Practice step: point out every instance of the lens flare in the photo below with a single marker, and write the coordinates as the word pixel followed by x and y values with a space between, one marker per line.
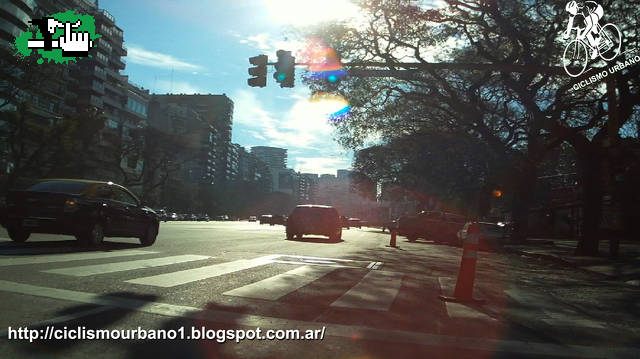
pixel 323 61
pixel 334 106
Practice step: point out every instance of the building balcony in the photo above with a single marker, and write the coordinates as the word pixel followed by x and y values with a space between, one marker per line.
pixel 117 63
pixel 115 88
pixel 113 101
pixel 108 16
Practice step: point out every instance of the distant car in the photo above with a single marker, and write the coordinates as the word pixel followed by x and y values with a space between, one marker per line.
pixel 492 236
pixel 89 210
pixel 172 217
pixel 221 218
pixel 265 219
pixel 203 217
pixel 355 222
pixel 433 225
pixel 314 219
pixel 192 217
pixel 252 218
pixel 272 219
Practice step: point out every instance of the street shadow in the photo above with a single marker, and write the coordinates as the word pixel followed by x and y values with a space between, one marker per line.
pixel 325 240
pixel 62 246
pixel 212 321
pixel 96 319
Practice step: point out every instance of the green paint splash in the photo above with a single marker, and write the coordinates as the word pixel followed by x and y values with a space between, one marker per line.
pixel 55 55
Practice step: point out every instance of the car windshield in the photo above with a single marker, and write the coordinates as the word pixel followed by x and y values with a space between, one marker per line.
pixel 70 187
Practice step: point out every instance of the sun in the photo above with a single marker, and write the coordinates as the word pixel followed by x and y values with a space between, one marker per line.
pixel 308 12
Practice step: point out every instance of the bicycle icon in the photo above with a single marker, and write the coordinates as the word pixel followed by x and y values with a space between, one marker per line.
pixel 576 53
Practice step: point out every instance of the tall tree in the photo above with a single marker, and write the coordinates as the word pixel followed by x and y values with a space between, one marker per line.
pixel 522 114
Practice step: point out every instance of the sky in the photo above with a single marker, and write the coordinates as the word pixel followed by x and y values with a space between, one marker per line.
pixel 197 46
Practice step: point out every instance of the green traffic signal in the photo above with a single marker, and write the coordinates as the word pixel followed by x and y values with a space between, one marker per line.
pixel 285 69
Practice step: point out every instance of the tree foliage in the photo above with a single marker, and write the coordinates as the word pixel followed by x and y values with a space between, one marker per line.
pixel 519 115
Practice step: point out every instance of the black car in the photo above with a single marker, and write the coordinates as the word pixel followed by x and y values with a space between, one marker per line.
pixel 314 219
pixel 272 219
pixel 89 210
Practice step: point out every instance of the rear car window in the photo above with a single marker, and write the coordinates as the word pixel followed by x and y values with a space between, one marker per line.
pixel 316 211
pixel 70 187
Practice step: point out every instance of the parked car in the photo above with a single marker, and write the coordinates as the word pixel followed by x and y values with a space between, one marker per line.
pixel 492 235
pixel 434 225
pixel 314 219
pixel 89 210
pixel 203 217
pixel 173 216
pixel 253 218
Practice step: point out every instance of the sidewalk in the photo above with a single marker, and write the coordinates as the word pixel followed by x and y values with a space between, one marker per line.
pixel 625 268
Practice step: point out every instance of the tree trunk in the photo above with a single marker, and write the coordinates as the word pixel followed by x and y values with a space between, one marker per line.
pixel 522 196
pixel 591 178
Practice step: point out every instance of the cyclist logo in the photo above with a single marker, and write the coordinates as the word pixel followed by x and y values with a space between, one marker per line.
pixel 601 41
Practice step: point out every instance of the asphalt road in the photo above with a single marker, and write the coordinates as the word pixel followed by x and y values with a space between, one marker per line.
pixel 366 299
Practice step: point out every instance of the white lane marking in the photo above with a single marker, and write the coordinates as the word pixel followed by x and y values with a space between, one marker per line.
pixel 191 275
pixel 83 271
pixel 461 311
pixel 375 291
pixel 314 258
pixel 335 330
pixel 51 258
pixel 313 264
pixel 280 285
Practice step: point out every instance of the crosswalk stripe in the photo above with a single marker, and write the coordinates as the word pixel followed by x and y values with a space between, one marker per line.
pixel 280 285
pixel 375 291
pixel 500 346
pixel 191 275
pixel 84 271
pixel 52 258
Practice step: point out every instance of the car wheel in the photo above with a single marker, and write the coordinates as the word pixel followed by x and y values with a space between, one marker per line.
pixel 150 235
pixel 412 238
pixel 95 235
pixel 336 236
pixel 299 236
pixel 18 235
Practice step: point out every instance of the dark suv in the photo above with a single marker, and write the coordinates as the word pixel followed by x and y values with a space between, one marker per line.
pixel 314 219
pixel 89 210
pixel 433 225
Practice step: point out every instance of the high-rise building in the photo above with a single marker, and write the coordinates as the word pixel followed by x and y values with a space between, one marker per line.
pixel 15 15
pixel 216 111
pixel 194 136
pixel 90 82
pixel 275 158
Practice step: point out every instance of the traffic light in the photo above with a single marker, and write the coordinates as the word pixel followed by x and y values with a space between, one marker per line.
pixel 259 71
pixel 285 68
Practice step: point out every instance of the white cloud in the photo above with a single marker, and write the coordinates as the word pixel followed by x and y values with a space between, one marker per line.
pixel 140 56
pixel 166 86
pixel 269 46
pixel 303 126
pixel 303 130
pixel 320 165
pixel 259 41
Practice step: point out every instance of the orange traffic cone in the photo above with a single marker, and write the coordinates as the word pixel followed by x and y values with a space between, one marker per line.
pixel 467 273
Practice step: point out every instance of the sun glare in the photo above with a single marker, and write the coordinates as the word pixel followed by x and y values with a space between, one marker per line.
pixel 309 12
